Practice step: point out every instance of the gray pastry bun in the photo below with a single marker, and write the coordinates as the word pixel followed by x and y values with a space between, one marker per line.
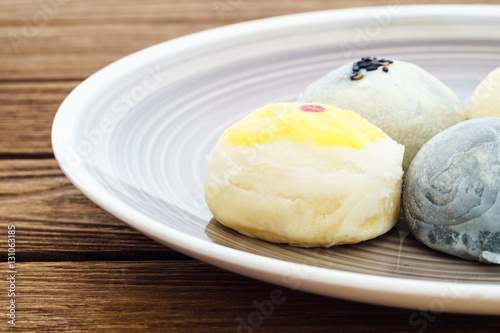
pixel 451 192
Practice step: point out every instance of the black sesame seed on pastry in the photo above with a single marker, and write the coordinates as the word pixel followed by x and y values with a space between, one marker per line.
pixel 402 99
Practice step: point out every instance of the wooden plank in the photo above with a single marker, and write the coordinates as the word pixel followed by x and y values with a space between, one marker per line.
pixel 179 296
pixel 45 40
pixel 56 222
pixel 80 37
pixel 83 37
pixel 27 110
pixel 76 52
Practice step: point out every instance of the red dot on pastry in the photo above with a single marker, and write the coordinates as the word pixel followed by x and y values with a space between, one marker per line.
pixel 312 108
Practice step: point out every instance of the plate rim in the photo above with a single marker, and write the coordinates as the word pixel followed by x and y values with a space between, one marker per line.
pixel 419 292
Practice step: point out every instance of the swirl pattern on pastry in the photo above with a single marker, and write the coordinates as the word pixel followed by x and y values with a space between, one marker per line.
pixel 452 191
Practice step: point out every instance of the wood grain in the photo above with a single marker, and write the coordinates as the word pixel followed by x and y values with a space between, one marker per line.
pixel 56 222
pixel 84 36
pixel 180 296
pixel 79 268
pixel 27 111
pixel 80 37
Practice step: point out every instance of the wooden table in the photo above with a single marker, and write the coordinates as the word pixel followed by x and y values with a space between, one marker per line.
pixel 81 269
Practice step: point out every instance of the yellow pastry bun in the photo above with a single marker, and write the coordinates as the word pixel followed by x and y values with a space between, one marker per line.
pixel 485 101
pixel 305 174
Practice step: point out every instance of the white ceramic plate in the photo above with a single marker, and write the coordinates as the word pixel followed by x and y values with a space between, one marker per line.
pixel 133 137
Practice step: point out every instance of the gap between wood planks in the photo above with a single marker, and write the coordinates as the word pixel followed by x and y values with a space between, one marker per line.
pixel 55 222
pixel 26 156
